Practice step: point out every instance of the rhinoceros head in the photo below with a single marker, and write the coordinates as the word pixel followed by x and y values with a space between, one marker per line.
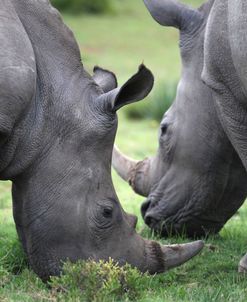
pixel 196 181
pixel 57 126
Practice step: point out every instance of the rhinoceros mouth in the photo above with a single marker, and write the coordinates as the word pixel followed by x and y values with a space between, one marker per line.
pixel 151 215
pixel 193 225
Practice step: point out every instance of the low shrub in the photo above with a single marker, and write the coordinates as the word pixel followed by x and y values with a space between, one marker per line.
pixel 155 105
pixel 87 6
pixel 99 281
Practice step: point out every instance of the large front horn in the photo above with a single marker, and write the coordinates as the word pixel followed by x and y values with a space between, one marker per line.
pixel 173 13
pixel 136 173
pixel 162 258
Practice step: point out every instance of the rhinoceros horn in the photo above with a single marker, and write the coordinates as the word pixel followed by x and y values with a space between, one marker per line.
pixel 162 258
pixel 136 173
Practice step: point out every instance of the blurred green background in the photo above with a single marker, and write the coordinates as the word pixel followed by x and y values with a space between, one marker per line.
pixel 84 6
pixel 122 35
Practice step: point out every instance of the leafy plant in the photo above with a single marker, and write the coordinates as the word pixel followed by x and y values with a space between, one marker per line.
pixel 99 281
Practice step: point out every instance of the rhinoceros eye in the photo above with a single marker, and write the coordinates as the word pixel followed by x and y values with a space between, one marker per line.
pixel 107 212
pixel 164 128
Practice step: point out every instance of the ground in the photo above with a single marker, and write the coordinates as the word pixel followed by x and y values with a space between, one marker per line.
pixel 121 42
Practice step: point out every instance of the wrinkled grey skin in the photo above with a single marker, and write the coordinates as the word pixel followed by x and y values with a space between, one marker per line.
pixel 57 128
pixel 227 77
pixel 197 180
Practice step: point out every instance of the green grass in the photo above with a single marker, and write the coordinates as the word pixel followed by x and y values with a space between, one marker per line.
pixel 120 42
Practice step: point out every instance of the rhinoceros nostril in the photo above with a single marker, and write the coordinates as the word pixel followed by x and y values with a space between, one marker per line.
pixel 150 220
pixel 145 207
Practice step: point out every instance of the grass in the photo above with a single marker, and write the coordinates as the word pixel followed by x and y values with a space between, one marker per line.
pixel 120 42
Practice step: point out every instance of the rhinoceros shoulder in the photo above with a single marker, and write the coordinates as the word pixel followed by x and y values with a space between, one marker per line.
pixel 237 31
pixel 48 33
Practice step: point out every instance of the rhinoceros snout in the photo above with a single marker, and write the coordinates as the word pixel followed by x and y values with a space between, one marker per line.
pixel 150 220
pixel 144 208
pixel 148 215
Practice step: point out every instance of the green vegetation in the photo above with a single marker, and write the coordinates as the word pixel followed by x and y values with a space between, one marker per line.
pixel 83 6
pixel 120 43
pixel 103 281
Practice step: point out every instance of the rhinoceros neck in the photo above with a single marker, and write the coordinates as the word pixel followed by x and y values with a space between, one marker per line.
pixel 54 45
pixel 62 85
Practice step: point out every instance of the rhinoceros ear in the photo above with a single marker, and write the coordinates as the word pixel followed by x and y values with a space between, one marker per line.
pixel 105 79
pixel 134 90
pixel 172 13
